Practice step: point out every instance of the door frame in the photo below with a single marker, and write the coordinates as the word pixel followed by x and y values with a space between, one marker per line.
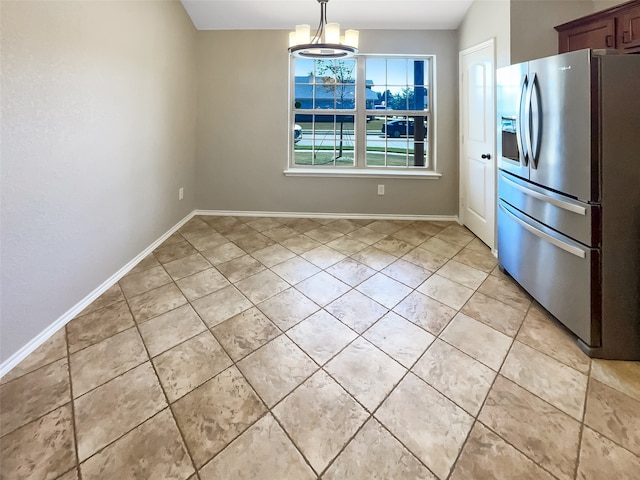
pixel 462 146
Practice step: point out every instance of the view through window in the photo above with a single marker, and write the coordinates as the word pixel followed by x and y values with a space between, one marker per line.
pixel 367 112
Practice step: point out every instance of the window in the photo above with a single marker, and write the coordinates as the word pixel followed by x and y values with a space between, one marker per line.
pixel 370 113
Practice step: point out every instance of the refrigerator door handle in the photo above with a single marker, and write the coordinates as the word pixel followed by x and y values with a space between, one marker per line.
pixel 545 198
pixel 519 118
pixel 578 252
pixel 529 120
pixel 536 121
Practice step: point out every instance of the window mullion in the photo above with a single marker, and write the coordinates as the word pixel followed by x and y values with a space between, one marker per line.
pixel 361 117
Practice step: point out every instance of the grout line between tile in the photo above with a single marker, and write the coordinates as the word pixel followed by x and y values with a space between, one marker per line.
pixel 588 374
pixel 73 406
pixel 512 446
pixel 370 413
pixel 234 364
pixel 473 424
pixel 155 371
pixel 496 433
pixel 475 417
pixel 373 415
pixel 295 445
pixel 31 371
pixel 164 393
pixel 268 410
pixel 582 423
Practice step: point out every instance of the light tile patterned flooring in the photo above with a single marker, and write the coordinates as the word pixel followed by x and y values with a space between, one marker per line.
pixel 267 348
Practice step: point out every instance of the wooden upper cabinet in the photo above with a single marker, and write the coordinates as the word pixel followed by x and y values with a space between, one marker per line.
pixel 617 28
pixel 599 33
pixel 628 34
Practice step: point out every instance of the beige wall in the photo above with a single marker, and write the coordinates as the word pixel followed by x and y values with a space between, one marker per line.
pixel 243 121
pixel 484 20
pixel 532 22
pixel 98 134
pixel 604 4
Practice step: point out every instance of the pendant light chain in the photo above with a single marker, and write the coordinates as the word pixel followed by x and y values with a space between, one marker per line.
pixel 317 38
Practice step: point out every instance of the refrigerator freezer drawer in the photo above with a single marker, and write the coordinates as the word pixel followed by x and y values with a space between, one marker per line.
pixel 573 218
pixel 558 272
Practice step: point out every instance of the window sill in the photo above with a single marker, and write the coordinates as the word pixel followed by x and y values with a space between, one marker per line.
pixel 361 173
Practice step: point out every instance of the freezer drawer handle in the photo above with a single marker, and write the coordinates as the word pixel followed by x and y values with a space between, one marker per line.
pixel 541 196
pixel 546 237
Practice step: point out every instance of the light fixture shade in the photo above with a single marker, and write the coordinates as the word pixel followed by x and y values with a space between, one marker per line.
pixel 351 38
pixel 332 33
pixel 303 34
pixel 292 39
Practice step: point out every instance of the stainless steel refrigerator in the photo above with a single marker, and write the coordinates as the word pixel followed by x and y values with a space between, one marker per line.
pixel 569 192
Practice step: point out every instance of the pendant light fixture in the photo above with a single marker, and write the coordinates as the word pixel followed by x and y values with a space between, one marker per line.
pixel 326 43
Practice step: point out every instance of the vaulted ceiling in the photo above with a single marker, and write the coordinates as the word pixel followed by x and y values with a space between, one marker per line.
pixel 358 14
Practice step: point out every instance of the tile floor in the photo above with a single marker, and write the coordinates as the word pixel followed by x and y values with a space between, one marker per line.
pixel 267 348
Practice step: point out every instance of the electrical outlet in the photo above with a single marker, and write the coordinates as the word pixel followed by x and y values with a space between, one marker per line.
pixel 180 193
pixel 380 189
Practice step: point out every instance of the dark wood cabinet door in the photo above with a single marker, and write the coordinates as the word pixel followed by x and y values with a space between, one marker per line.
pixel 617 27
pixel 594 34
pixel 628 36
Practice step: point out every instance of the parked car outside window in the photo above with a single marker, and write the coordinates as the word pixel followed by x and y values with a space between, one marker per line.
pixel 398 128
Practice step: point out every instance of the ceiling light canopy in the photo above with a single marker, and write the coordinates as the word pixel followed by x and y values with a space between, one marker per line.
pixel 326 43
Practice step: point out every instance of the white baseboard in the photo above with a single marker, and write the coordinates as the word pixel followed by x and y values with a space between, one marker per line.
pixel 21 354
pixel 352 216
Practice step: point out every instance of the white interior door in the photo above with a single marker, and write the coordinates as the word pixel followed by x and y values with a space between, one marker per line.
pixel 477 141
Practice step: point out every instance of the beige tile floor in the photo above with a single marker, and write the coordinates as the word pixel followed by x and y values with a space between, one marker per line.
pixel 267 348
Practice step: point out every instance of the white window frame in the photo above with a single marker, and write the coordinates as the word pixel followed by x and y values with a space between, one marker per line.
pixel 360 169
